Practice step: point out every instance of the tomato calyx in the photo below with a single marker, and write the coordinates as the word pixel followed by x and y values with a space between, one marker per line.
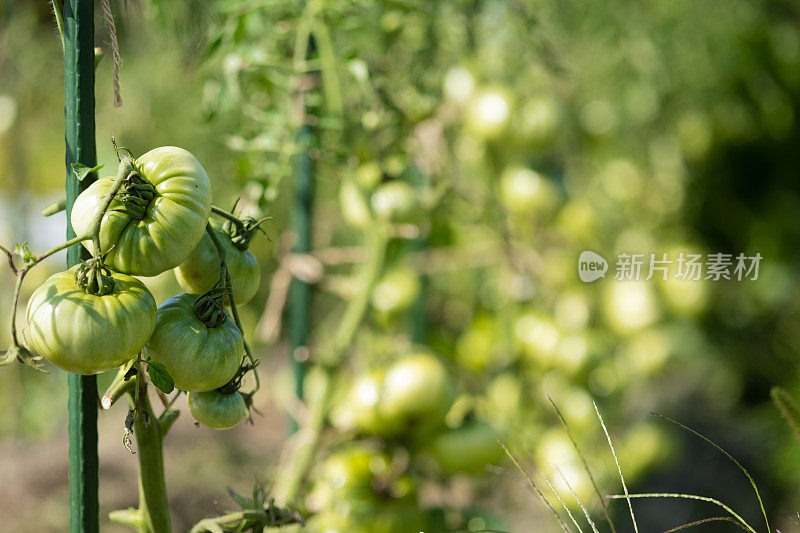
pixel 209 308
pixel 241 235
pixel 235 382
pixel 135 195
pixel 93 277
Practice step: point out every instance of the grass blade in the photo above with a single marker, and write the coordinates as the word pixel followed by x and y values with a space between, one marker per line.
pixel 585 465
pixel 788 408
pixel 705 521
pixel 580 503
pixel 729 456
pixel 619 468
pixel 558 496
pixel 730 511
pixel 535 488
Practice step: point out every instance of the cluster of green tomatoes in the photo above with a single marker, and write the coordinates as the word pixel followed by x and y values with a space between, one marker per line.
pixel 397 418
pixel 96 316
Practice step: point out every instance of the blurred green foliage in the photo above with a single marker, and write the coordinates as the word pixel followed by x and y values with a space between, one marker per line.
pixel 503 138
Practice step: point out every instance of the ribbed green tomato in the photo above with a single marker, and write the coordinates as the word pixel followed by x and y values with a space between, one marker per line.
pixel 85 333
pixel 216 409
pixel 173 223
pixel 200 271
pixel 417 392
pixel 198 358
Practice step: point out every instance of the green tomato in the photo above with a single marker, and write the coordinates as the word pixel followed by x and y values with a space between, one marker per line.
pixel 368 175
pixel 200 271
pixel 468 448
pixel 417 392
pixel 394 517
pixel 359 409
pixel 475 348
pixel 173 222
pixel 525 191
pixel 396 291
pixel 216 409
pixel 394 201
pixel 197 357
pixel 85 333
pixel 538 120
pixel 349 473
pixel 355 211
pixel 489 112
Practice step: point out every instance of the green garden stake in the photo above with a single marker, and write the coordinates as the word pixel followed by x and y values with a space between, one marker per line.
pixel 78 20
pixel 300 292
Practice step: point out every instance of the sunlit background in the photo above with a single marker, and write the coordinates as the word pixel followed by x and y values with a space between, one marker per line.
pixel 503 138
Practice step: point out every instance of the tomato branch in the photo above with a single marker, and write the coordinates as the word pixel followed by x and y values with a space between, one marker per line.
pixel 226 276
pixel 16 351
pixel 266 518
pixel 152 516
pixel 121 385
pixel 298 462
pixel 229 216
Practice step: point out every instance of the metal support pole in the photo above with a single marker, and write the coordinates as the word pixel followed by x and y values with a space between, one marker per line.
pixel 80 148
pixel 300 292
pixel 300 295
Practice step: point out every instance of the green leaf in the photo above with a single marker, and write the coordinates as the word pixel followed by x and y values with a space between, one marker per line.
pixel 160 377
pixel 238 498
pixel 81 171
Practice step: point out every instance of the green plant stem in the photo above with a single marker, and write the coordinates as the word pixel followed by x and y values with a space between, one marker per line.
pixel 298 463
pixel 224 273
pixel 22 272
pixel 330 70
pixel 228 216
pixel 93 235
pixel 271 517
pixel 118 388
pixel 55 208
pixel 730 458
pixel 152 516
pixel 686 497
pixel 125 168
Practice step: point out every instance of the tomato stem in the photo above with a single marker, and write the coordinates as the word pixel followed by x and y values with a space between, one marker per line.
pixel 226 276
pixel 304 442
pixel 125 168
pixel 54 208
pixel 118 388
pixel 123 171
pixel 229 216
pixel 149 431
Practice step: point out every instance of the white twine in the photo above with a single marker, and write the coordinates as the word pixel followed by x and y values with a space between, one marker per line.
pixel 112 30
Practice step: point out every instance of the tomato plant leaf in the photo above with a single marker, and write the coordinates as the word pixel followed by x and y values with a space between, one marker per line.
pixel 160 376
pixel 238 498
pixel 81 171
